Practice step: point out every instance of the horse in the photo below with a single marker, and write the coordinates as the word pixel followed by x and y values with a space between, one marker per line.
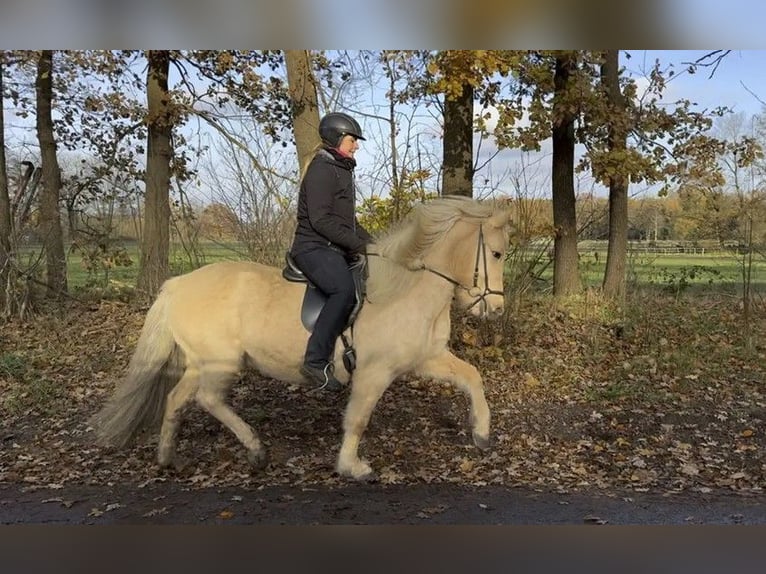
pixel 206 326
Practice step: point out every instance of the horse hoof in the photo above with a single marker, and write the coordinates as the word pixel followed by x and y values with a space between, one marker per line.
pixel 166 458
pixel 481 442
pixel 368 478
pixel 360 472
pixel 174 464
pixel 258 459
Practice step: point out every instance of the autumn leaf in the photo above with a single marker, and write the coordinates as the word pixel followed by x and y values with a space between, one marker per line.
pixel 690 469
pixel 469 337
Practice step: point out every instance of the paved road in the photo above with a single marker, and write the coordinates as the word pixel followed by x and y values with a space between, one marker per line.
pixel 373 504
pixel 477 547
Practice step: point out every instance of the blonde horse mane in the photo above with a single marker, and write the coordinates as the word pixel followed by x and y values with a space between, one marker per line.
pixel 401 249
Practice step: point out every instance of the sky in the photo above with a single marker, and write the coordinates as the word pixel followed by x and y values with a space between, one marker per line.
pixel 738 82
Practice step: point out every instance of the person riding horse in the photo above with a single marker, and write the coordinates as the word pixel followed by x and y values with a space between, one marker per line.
pixel 327 237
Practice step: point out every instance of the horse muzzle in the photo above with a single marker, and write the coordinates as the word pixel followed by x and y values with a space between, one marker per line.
pixel 487 306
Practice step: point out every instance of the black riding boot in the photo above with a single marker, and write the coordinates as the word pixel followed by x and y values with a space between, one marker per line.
pixel 322 376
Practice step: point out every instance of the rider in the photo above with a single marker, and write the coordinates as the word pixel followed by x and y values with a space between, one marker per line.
pixel 327 237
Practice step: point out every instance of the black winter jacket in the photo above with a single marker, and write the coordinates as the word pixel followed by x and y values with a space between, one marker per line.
pixel 326 203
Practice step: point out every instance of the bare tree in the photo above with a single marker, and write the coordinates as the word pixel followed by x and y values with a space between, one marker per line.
pixel 6 255
pixel 50 216
pixel 256 191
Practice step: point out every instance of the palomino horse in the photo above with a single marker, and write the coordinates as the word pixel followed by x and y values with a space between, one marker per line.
pixel 205 326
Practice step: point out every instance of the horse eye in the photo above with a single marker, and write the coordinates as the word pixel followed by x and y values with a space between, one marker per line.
pixel 497 254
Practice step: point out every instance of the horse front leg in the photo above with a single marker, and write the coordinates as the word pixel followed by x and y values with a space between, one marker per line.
pixel 466 377
pixel 367 388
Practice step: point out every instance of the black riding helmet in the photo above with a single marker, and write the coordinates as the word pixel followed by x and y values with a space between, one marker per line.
pixel 335 125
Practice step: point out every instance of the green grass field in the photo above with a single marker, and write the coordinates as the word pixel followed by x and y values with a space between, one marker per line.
pixel 80 276
pixel 718 272
pixel 681 271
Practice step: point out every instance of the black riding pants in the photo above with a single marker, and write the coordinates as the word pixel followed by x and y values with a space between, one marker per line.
pixel 328 270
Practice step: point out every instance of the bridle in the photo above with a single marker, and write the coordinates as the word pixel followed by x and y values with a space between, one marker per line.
pixel 481 254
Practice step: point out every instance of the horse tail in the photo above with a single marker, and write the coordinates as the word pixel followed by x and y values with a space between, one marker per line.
pixel 156 366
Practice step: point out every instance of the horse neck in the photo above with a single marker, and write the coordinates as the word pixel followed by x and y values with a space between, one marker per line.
pixel 431 288
pixel 405 284
pixel 435 292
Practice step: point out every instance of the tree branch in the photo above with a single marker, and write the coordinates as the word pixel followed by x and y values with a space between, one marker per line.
pixel 713 59
pixel 749 91
pixel 212 122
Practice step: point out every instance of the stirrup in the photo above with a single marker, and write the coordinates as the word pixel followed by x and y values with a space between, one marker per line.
pixel 315 374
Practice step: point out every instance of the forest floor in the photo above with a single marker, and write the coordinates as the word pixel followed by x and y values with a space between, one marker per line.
pixel 664 400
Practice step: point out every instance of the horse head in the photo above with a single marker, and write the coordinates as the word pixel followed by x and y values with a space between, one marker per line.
pixel 479 261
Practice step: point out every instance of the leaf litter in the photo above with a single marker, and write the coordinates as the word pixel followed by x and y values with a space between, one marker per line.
pixel 665 407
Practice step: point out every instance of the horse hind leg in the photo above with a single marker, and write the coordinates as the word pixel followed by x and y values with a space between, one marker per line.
pixel 214 384
pixel 177 399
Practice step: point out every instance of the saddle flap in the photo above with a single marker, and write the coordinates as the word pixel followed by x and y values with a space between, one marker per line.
pixel 313 302
pixel 291 272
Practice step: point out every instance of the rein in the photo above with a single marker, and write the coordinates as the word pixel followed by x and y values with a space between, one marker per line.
pixel 481 252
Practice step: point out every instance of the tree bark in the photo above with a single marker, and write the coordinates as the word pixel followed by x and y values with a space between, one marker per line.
pixel 303 96
pixel 6 256
pixel 566 277
pixel 25 195
pixel 616 256
pixel 155 247
pixel 458 144
pixel 50 215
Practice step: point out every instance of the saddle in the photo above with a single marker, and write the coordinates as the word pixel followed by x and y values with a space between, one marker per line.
pixel 314 300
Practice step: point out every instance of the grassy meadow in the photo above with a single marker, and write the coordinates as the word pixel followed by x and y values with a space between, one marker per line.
pixel 680 271
pixel 675 273
pixel 83 275
pixel 714 272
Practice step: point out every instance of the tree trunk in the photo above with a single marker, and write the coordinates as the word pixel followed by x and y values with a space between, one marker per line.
pixel 400 204
pixel 303 96
pixel 50 215
pixel 616 257
pixel 155 247
pixel 458 144
pixel 6 256
pixel 25 195
pixel 566 278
